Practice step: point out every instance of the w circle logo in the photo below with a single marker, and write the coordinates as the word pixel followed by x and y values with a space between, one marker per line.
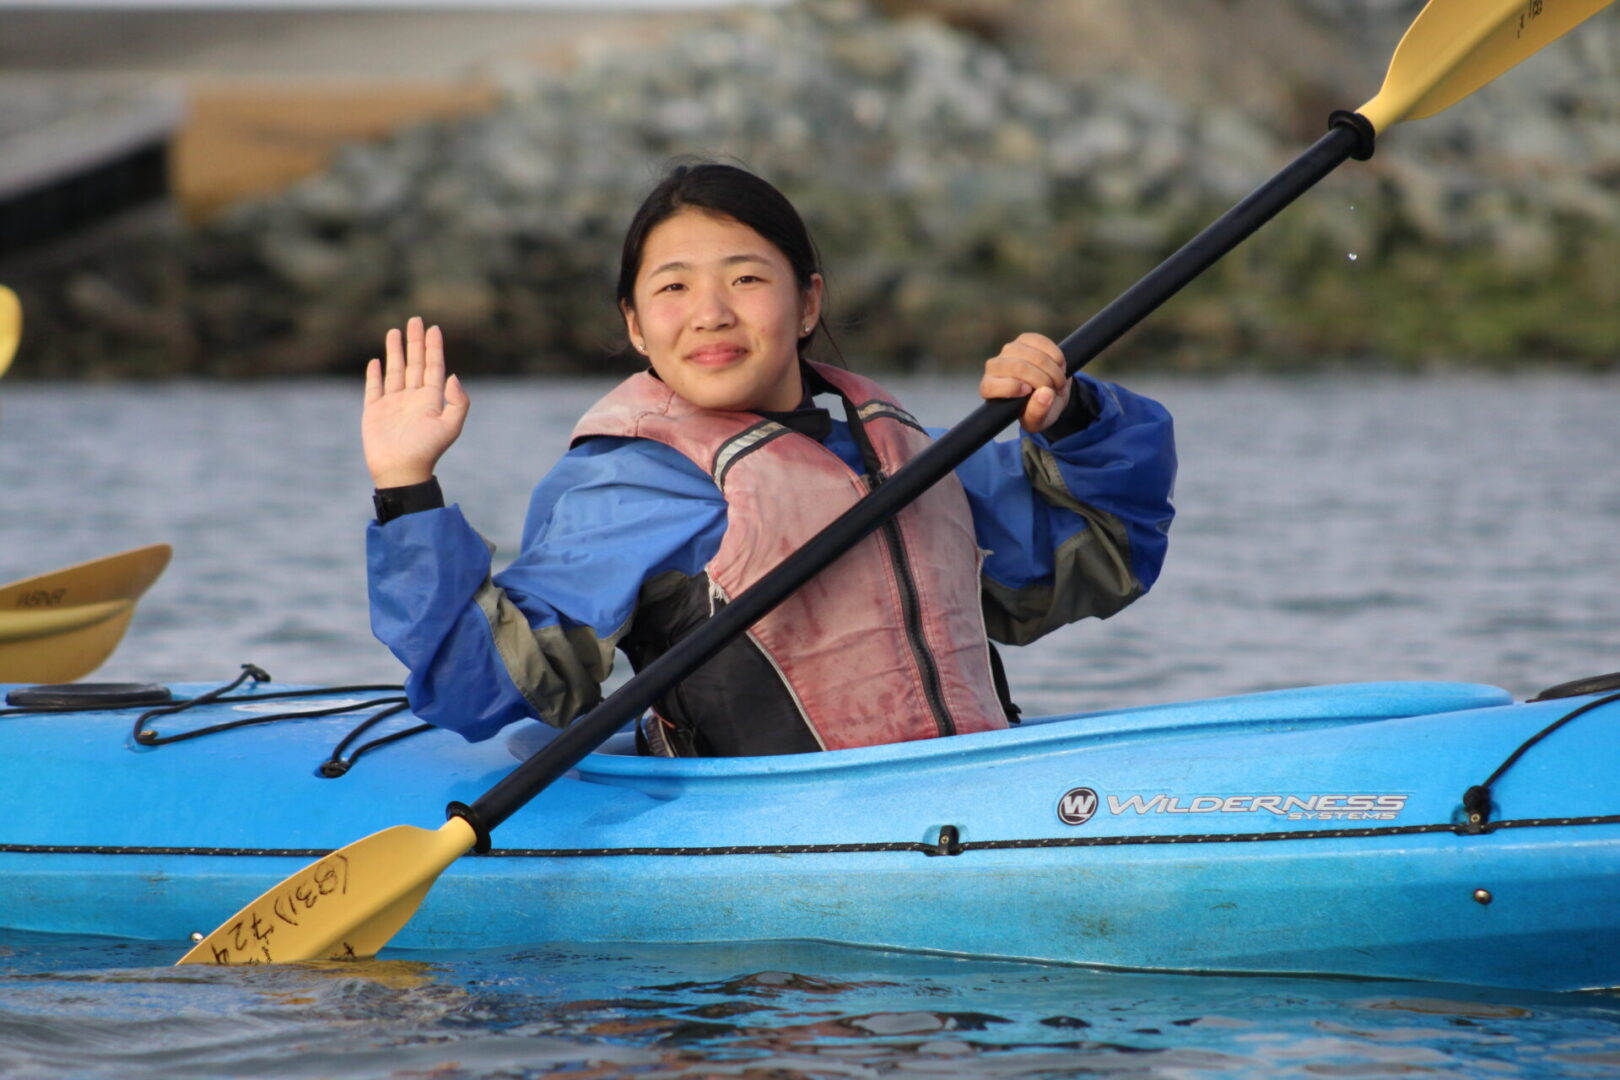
pixel 1077 806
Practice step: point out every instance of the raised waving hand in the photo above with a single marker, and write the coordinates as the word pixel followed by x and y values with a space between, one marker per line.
pixel 412 412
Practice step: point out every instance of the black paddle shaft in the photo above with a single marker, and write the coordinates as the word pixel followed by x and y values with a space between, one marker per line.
pixel 1344 139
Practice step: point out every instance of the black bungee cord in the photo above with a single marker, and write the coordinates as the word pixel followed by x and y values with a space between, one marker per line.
pixel 1477 799
pixel 64 700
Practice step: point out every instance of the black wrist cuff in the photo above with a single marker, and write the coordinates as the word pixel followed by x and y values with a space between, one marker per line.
pixel 410 499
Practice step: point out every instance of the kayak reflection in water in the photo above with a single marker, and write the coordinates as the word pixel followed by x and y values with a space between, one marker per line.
pixel 693 478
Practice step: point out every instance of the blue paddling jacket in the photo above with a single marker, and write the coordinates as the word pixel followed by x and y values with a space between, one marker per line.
pixel 1074 522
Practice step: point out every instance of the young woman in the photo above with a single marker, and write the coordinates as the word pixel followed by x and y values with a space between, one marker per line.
pixel 693 478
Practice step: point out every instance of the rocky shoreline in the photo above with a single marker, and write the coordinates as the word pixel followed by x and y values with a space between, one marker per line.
pixel 961 190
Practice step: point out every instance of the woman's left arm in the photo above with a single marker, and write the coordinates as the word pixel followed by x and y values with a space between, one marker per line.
pixel 1075 513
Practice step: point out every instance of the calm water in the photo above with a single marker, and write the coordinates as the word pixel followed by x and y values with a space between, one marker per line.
pixel 1331 529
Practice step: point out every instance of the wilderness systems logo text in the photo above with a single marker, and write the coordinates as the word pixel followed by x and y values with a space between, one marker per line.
pixel 1079 805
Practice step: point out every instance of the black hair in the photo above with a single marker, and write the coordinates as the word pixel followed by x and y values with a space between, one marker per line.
pixel 730 192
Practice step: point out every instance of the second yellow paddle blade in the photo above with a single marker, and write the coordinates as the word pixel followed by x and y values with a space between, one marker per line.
pixel 59 647
pixel 10 327
pixel 346 905
pixel 60 626
pixel 1454 47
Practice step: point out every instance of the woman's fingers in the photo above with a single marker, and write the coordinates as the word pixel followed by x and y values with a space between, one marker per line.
pixel 433 358
pixel 415 348
pixel 393 362
pixel 1023 367
pixel 456 404
pixel 1042 409
pixel 454 396
pixel 1037 359
pixel 412 413
pixel 413 357
pixel 1030 365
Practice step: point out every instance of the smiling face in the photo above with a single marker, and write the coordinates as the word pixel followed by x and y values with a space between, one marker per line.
pixel 719 314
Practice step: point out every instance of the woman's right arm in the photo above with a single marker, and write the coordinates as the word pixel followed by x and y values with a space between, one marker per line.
pixel 537 639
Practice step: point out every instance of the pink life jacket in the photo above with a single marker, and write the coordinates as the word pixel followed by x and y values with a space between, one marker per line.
pixel 888 643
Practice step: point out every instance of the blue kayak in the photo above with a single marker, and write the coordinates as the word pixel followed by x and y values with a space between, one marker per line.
pixel 1321 830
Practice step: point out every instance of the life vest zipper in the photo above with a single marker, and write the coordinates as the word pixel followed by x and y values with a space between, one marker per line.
pixel 910 599
pixel 911 608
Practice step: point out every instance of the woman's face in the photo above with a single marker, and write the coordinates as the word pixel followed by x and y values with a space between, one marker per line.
pixel 719 314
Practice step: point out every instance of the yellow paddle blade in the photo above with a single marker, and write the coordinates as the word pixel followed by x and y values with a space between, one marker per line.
pixel 60 626
pixel 346 905
pixel 27 625
pixel 28 655
pixel 1454 47
pixel 10 327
